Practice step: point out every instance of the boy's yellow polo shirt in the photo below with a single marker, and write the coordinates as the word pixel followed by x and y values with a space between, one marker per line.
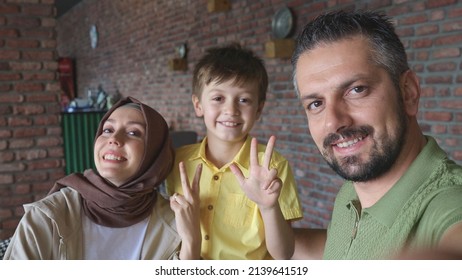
pixel 231 225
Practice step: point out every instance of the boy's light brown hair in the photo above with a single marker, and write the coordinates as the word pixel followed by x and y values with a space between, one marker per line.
pixel 230 62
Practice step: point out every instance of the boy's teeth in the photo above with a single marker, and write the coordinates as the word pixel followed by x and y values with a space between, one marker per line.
pixel 349 143
pixel 229 123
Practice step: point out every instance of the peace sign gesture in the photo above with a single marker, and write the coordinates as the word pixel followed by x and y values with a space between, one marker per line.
pixel 187 214
pixel 262 186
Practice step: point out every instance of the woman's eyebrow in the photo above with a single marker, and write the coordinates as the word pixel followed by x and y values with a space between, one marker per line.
pixel 130 122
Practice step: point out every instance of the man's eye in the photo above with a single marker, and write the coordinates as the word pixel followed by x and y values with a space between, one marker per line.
pixel 359 89
pixel 314 105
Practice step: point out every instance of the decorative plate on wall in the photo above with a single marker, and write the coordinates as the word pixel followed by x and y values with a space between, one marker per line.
pixel 93 36
pixel 181 50
pixel 282 23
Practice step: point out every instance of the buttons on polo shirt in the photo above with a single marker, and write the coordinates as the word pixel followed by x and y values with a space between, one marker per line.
pixel 210 207
pixel 206 237
pixel 216 177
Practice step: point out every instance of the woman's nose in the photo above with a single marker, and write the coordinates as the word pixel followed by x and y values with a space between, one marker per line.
pixel 115 139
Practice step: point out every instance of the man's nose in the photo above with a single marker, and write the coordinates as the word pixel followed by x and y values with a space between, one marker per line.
pixel 337 117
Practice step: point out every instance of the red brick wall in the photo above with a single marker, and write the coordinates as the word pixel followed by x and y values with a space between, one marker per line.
pixel 31 153
pixel 137 39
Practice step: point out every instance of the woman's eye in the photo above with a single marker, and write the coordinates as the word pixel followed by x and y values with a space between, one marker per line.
pixel 133 133
pixel 107 130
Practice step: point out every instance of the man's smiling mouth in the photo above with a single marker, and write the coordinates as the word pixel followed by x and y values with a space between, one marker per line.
pixel 349 143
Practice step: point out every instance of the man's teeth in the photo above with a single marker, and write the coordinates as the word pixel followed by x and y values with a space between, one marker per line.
pixel 112 157
pixel 349 143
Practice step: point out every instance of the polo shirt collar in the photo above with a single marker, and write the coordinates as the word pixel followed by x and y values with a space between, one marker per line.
pixel 389 206
pixel 201 151
pixel 242 158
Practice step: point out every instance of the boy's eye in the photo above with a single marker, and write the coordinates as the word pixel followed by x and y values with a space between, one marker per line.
pixel 217 98
pixel 244 100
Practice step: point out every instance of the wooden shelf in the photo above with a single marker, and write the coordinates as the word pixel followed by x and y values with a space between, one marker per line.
pixel 214 6
pixel 280 48
pixel 178 64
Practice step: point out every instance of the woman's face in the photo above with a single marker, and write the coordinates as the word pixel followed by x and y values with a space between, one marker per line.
pixel 119 149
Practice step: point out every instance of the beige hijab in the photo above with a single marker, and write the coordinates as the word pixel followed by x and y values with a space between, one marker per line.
pixel 128 204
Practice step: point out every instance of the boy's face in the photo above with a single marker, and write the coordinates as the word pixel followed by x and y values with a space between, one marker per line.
pixel 120 147
pixel 229 110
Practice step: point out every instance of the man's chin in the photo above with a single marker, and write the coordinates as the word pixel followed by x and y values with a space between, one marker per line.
pixel 350 172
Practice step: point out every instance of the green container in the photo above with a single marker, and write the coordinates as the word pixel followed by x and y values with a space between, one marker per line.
pixel 79 129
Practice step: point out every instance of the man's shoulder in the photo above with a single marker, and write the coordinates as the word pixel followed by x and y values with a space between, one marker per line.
pixel 449 196
pixel 442 197
pixel 454 172
pixel 445 178
pixel 440 211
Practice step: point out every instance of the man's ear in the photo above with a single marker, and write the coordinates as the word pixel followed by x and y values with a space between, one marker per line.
pixel 197 106
pixel 410 91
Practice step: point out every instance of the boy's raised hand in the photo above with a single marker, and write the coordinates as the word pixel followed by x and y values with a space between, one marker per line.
pixel 263 186
pixel 187 213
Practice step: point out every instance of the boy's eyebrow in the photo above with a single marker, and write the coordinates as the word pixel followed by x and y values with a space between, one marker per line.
pixel 243 91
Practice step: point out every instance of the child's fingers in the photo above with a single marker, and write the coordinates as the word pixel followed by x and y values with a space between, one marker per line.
pixel 254 152
pixel 271 177
pixel 175 201
pixel 184 181
pixel 269 152
pixel 238 173
pixel 197 179
pixel 274 186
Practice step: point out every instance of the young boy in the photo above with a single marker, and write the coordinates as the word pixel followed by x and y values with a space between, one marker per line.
pixel 239 218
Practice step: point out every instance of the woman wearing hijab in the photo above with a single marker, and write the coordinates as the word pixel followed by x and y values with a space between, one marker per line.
pixel 116 212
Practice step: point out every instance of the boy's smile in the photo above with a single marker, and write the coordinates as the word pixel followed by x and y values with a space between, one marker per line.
pixel 229 124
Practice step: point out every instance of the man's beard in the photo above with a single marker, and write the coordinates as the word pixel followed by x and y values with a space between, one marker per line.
pixel 381 158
